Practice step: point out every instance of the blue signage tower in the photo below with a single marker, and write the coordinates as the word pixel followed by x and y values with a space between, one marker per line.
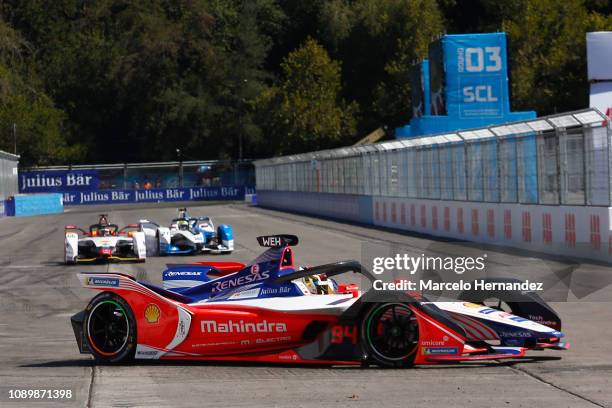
pixel 467 86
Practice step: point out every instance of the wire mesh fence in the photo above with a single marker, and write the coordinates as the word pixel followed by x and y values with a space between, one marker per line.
pixel 147 176
pixel 557 160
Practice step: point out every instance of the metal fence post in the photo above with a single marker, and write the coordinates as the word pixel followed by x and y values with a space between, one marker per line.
pixel 558 154
pixel 181 173
pixel 125 176
pixel 585 187
pixel 236 167
pixel 608 152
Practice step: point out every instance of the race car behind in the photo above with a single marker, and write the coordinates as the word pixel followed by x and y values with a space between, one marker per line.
pixel 104 241
pixel 190 235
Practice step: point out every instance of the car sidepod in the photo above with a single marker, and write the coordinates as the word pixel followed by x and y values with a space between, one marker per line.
pixel 139 245
pixel 71 247
pixel 163 240
pixel 225 235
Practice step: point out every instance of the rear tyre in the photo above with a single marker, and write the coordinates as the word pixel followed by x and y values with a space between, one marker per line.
pixel 390 335
pixel 110 328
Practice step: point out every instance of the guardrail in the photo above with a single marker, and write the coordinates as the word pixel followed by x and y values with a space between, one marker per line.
pixel 542 184
pixel 157 195
pixel 137 176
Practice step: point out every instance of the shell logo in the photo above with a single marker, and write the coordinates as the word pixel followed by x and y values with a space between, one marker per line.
pixel 152 313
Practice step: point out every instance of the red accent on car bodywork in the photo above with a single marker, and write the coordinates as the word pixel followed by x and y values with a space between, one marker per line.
pixel 349 288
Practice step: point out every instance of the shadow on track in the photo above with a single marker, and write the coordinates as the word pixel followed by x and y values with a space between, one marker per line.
pixel 237 364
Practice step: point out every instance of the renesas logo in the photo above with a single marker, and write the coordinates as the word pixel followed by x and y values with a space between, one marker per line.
pixel 183 273
pixel 241 280
pixel 57 180
pixel 212 326
pixel 97 281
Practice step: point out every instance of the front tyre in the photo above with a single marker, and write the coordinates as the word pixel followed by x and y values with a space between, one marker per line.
pixel 110 328
pixel 390 334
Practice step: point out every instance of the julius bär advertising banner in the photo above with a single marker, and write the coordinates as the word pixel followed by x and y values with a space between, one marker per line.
pixel 155 195
pixel 57 181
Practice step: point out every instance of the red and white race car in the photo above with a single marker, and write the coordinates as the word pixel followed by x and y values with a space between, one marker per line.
pixel 104 241
pixel 273 311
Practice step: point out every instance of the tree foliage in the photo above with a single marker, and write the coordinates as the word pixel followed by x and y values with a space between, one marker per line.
pixel 28 117
pixel 120 80
pixel 308 112
pixel 548 54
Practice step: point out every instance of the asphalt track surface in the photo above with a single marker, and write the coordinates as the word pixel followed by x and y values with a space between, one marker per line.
pixel 38 294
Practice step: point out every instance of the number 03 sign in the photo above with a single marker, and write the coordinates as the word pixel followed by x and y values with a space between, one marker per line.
pixel 479 59
pixel 477 75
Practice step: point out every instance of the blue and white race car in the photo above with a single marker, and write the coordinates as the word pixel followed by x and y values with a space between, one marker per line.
pixel 189 235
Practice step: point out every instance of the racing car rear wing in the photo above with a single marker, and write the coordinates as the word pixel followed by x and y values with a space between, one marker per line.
pixel 330 270
pixel 276 241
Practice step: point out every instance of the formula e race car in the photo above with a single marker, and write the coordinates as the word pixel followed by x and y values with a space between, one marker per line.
pixel 188 235
pixel 273 311
pixel 104 242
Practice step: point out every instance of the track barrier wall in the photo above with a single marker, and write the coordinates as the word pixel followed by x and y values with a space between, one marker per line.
pixel 156 195
pixel 540 185
pixel 578 231
pixel 126 183
pixel 35 204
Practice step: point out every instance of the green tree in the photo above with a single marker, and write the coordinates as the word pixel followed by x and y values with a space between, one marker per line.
pixel 377 42
pixel 140 79
pixel 25 110
pixel 547 48
pixel 306 110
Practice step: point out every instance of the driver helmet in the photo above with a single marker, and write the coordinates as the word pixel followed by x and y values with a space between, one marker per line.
pixel 319 284
pixel 310 285
pixel 182 225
